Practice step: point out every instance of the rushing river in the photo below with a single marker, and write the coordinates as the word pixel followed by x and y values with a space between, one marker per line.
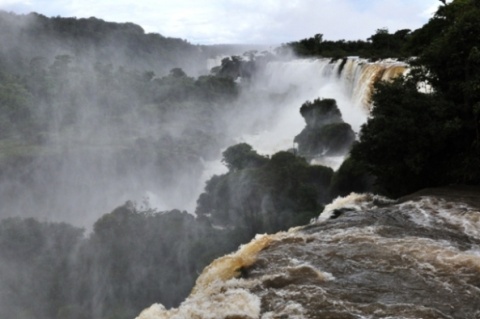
pixel 365 257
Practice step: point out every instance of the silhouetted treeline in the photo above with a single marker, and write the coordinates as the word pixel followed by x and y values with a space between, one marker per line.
pixel 326 134
pixel 131 260
pixel 88 100
pixel 77 117
pixel 25 37
pixel 424 128
pixel 87 75
pixel 261 194
pixel 109 123
pixel 424 131
pixel 136 255
pixel 380 45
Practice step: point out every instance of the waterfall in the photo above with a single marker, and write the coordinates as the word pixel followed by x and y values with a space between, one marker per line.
pixel 418 258
pixel 359 77
pixel 350 82
pixel 270 119
pixel 89 167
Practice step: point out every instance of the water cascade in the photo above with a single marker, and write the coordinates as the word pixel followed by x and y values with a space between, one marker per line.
pixel 366 257
pixel 91 168
pixel 359 77
pixel 349 81
pixel 269 118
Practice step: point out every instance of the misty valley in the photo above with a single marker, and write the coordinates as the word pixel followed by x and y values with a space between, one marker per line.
pixel 130 162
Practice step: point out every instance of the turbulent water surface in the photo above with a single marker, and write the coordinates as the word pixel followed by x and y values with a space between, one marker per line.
pixel 365 257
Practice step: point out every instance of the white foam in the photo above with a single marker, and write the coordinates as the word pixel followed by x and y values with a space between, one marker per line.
pixel 221 304
pixel 289 309
pixel 354 201
pixel 430 212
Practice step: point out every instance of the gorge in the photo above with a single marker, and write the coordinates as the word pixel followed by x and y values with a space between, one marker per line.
pixel 110 164
pixel 130 163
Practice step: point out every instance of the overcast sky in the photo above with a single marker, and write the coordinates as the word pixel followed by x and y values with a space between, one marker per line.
pixel 244 21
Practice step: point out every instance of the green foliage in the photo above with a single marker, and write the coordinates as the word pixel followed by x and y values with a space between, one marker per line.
pixel 384 44
pixel 66 100
pixel 164 123
pixel 131 260
pixel 35 260
pixel 380 45
pixel 176 73
pixel 320 112
pixel 414 139
pixel 282 192
pixel 410 137
pixel 230 67
pixel 351 177
pixel 242 156
pixel 15 106
pixel 452 53
pixel 76 76
pixel 95 38
pixel 325 133
pixel 135 258
pixel 145 257
pixel 213 88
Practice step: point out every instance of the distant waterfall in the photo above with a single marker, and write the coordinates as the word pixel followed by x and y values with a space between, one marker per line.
pixel 349 81
pixel 269 117
pixel 359 76
pixel 353 77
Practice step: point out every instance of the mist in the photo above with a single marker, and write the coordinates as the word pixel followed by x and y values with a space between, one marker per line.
pixel 112 123
pixel 114 143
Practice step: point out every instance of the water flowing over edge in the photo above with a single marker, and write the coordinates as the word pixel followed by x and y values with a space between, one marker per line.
pixel 230 288
pixel 350 81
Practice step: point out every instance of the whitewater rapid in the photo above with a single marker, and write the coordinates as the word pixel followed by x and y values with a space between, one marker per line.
pixel 365 257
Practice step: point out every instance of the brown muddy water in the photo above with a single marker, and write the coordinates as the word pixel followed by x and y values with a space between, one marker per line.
pixel 365 257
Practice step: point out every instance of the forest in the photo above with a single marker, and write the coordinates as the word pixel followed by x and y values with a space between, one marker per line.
pixel 106 106
pixel 155 113
pixel 380 45
pixel 424 128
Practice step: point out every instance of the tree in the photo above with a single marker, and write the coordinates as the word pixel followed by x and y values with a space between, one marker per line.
pixel 284 191
pixel 351 177
pixel 35 262
pixel 15 106
pixel 326 133
pixel 242 156
pixel 409 139
pixel 320 112
pixel 61 65
pixel 415 139
pixel 177 73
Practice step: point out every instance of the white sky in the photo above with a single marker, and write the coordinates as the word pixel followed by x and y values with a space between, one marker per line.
pixel 244 21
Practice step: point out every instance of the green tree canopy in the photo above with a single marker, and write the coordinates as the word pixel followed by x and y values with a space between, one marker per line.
pixel 320 112
pixel 418 139
pixel 326 133
pixel 242 156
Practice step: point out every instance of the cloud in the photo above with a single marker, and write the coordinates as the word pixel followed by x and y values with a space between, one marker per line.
pixel 245 21
pixel 274 22
pixel 5 3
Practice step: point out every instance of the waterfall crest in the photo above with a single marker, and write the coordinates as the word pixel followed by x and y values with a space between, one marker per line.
pixel 376 258
pixel 349 81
